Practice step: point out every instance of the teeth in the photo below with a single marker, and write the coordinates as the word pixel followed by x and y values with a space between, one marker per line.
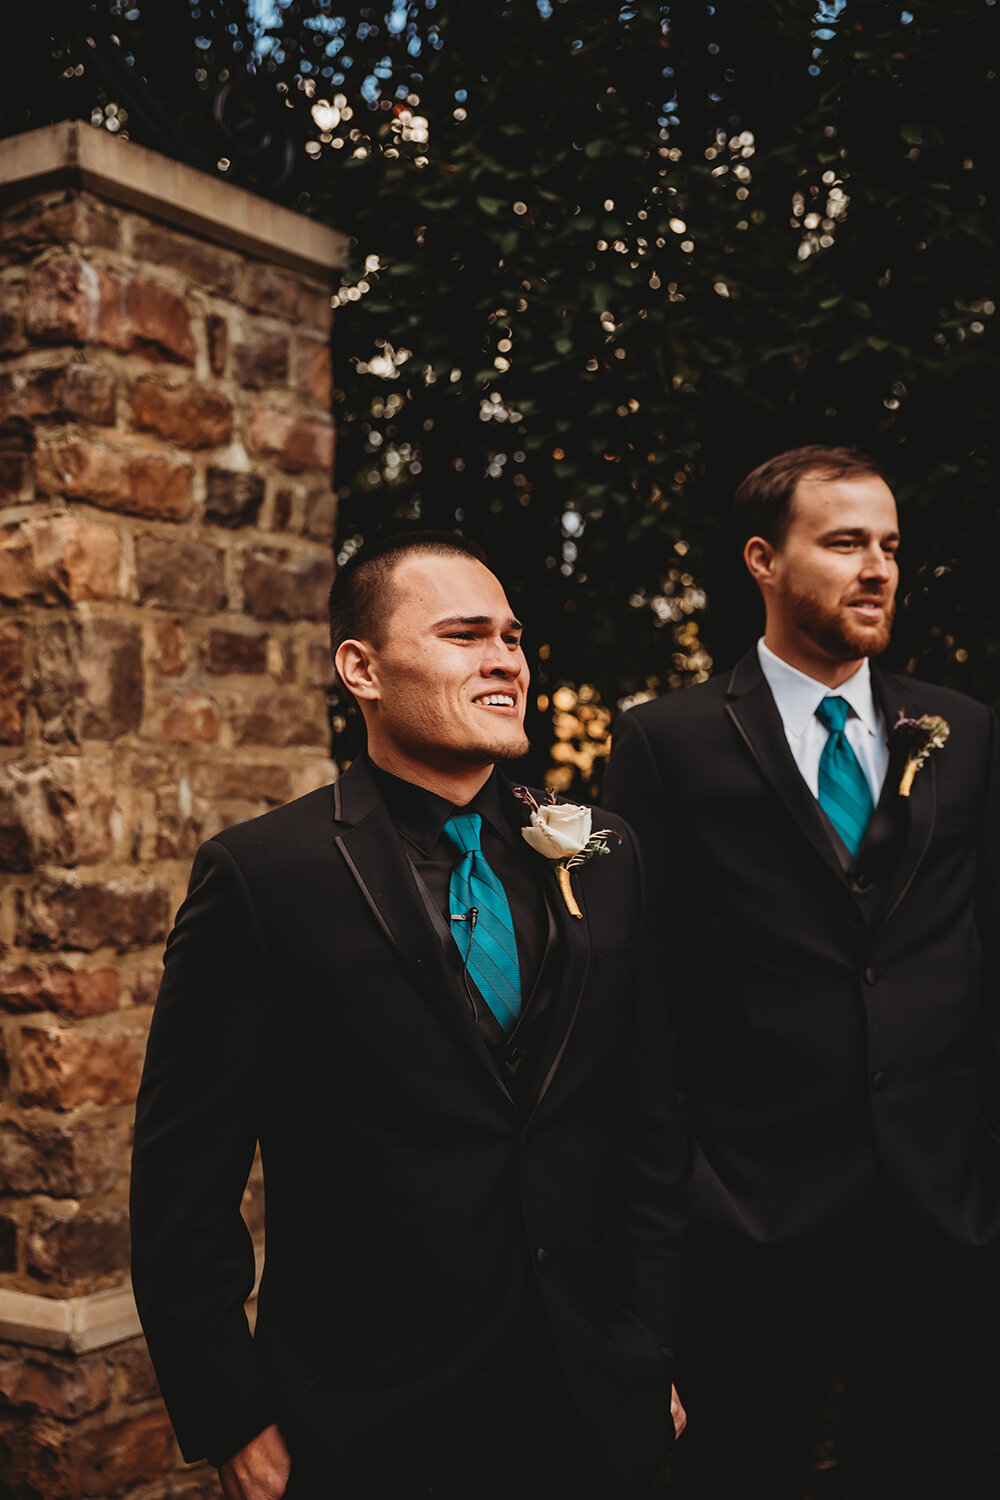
pixel 498 700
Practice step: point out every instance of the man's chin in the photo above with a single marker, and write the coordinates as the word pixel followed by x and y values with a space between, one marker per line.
pixel 489 752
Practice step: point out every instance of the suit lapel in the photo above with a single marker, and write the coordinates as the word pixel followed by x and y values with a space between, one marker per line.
pixel 370 845
pixel 906 821
pixel 754 713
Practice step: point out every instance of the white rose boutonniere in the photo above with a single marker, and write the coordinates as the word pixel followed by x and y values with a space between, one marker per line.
pixel 562 832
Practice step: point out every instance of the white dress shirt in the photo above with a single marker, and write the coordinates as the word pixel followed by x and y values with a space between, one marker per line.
pixel 798 697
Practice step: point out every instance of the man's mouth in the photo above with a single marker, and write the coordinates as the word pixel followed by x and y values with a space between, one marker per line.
pixel 496 700
pixel 868 609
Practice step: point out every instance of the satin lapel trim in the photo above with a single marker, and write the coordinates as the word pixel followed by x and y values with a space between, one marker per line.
pixel 757 721
pixel 572 952
pixel 921 805
pixel 374 856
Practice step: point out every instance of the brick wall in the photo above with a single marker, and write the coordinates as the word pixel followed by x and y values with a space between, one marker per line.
pixel 166 520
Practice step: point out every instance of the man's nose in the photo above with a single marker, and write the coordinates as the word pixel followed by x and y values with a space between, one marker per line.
pixel 500 661
pixel 876 565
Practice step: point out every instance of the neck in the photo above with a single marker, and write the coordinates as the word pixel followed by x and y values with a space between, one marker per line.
pixel 805 656
pixel 456 784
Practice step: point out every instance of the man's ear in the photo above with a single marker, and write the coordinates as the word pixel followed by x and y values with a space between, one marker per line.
pixel 356 667
pixel 759 556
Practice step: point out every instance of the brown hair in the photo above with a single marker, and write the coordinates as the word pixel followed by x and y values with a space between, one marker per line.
pixel 762 504
pixel 363 595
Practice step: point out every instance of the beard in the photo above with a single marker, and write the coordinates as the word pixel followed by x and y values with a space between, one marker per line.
pixel 493 752
pixel 835 632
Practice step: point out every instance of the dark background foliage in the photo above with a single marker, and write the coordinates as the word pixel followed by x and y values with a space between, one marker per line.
pixel 608 258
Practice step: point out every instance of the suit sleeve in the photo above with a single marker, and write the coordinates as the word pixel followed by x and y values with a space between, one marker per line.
pixel 197 1121
pixel 988 924
pixel 651 1155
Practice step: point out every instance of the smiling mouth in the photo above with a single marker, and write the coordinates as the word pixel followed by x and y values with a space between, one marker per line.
pixel 867 606
pixel 496 700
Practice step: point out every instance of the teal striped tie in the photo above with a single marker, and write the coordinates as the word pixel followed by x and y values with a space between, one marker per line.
pixel 485 940
pixel 843 787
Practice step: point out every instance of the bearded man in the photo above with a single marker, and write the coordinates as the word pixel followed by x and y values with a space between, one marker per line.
pixel 831 876
pixel 470 1158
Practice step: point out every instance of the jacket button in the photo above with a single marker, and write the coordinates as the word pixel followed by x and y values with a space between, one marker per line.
pixel 870 976
pixel 542 1257
pixel 879 1081
pixel 861 885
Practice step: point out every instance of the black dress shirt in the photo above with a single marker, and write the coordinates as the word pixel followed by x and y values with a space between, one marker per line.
pixel 419 817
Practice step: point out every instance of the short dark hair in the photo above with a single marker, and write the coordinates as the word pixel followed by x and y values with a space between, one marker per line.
pixel 363 595
pixel 762 504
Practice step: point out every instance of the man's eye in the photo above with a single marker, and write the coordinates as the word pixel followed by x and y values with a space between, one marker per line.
pixel 461 635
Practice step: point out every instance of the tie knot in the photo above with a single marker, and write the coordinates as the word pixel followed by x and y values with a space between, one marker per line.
pixel 832 714
pixel 463 832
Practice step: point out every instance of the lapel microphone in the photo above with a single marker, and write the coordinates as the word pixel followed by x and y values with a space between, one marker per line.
pixel 472 917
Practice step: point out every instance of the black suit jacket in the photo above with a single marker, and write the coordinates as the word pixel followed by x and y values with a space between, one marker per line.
pixel 836 1019
pixel 415 1214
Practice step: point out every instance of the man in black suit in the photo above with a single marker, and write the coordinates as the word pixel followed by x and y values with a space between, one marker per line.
pixel 834 995
pixel 470 1162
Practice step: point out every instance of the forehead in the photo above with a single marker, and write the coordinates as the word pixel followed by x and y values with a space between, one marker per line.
pixel 428 587
pixel 864 502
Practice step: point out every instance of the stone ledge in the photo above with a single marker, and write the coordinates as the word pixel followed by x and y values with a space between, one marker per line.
pixel 76 154
pixel 77 1325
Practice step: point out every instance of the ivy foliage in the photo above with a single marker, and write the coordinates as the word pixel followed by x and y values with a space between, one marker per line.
pixel 608 258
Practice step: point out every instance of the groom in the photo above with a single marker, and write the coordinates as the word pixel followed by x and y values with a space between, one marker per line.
pixel 834 994
pixel 469 1155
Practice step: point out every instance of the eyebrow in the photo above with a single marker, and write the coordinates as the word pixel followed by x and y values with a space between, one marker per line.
pixel 857 531
pixel 509 624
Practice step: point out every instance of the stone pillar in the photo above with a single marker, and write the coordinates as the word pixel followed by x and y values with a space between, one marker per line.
pixel 166 521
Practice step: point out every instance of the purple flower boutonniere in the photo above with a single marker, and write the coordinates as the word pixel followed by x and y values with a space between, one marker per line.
pixel 920 736
pixel 562 832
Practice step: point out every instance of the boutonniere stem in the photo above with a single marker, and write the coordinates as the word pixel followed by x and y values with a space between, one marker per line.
pixel 562 832
pixel 920 737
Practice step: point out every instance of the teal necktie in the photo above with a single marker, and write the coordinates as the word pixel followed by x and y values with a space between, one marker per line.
pixel 481 922
pixel 843 787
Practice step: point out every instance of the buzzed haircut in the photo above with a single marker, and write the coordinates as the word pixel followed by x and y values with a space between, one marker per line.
pixel 762 504
pixel 364 595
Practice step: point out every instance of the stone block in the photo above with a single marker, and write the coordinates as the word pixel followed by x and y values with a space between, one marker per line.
pixel 181 575
pixel 313 376
pixel 217 336
pixel 61 1069
pixel 11 683
pixel 280 719
pixel 280 585
pixel 192 416
pixel 262 361
pixel 321 516
pixel 15 466
pixel 63 295
pixel 64 393
pixel 58 560
pixel 137 484
pixel 169 655
pixel 292 442
pixel 8 1244
pixel 222 781
pixel 67 1388
pixel 281 511
pixel 319 666
pixel 190 719
pixel 115 914
pixel 137 316
pixel 133 1371
pixel 236 651
pixel 283 295
pixel 212 268
pixel 65 220
pixel 65 1464
pixel 84 1247
pixel 88 680
pixel 71 992
pixel 60 1161
pixel 55 812
pixel 233 498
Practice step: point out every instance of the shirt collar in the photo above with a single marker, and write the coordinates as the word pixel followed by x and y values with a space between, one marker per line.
pixel 420 815
pixel 798 696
